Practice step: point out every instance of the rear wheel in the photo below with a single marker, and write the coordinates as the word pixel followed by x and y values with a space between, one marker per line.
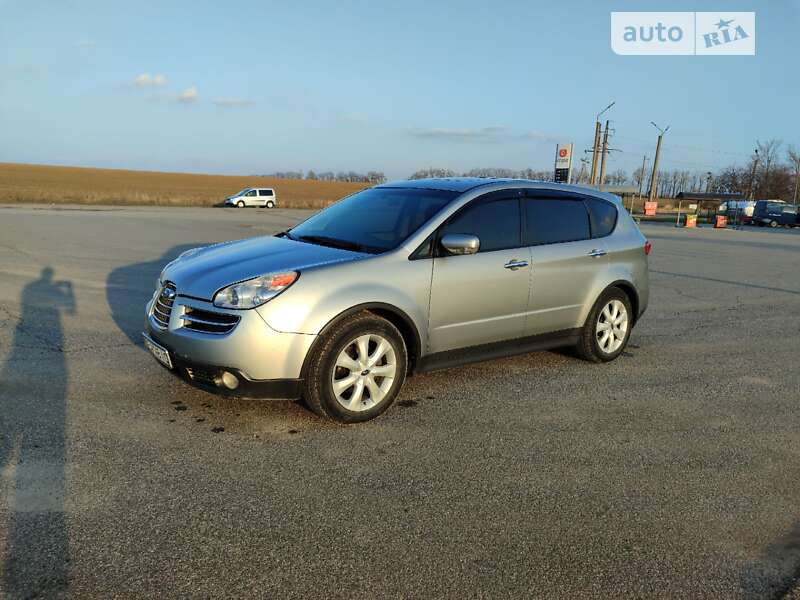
pixel 608 327
pixel 357 371
pixel 240 204
pixel 773 224
pixel 270 204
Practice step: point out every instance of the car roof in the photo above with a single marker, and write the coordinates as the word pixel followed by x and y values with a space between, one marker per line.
pixel 452 184
pixel 465 184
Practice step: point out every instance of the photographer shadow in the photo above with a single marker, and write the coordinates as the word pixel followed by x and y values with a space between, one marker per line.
pixel 33 396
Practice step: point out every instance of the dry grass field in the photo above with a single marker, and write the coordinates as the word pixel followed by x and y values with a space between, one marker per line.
pixel 78 185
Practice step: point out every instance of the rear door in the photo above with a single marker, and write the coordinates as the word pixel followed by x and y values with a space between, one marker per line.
pixel 482 297
pixel 566 261
pixel 789 214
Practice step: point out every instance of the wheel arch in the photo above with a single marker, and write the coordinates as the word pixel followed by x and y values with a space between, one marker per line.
pixel 630 290
pixel 396 316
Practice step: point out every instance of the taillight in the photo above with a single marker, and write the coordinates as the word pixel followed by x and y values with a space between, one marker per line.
pixel 647 247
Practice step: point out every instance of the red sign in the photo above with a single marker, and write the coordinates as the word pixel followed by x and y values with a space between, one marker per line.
pixel 650 208
pixel 562 153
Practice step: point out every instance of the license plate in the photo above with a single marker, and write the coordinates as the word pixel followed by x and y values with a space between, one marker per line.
pixel 160 353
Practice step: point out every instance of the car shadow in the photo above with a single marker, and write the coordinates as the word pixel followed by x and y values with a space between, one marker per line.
pixel 33 395
pixel 130 287
pixel 776 574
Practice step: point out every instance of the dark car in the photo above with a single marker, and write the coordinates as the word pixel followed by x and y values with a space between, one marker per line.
pixel 772 213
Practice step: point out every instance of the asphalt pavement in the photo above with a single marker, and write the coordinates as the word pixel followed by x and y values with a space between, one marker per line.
pixel 673 472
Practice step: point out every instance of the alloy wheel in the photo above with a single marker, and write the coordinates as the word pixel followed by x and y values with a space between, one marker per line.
pixel 364 372
pixel 612 326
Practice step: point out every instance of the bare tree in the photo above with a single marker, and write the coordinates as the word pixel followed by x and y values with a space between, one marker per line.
pixel 794 160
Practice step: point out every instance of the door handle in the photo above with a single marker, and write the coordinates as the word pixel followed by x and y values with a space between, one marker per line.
pixel 515 264
pixel 597 252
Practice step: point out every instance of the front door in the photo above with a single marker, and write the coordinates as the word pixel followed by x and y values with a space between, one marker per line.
pixel 481 298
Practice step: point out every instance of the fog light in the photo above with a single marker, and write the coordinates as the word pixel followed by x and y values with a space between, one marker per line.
pixel 230 381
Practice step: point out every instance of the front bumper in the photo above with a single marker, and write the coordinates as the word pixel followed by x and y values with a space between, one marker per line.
pixel 266 363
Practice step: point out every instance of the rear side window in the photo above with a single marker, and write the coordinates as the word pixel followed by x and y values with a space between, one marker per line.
pixel 496 223
pixel 602 217
pixel 551 221
pixel 265 192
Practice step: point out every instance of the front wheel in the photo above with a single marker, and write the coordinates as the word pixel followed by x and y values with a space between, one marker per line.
pixel 240 204
pixel 608 327
pixel 357 371
pixel 773 224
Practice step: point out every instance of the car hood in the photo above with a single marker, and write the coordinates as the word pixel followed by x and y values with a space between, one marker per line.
pixel 209 269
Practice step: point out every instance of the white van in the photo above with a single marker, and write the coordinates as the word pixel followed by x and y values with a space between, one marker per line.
pixel 263 197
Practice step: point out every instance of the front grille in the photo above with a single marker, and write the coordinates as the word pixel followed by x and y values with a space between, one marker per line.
pixel 203 376
pixel 162 307
pixel 206 321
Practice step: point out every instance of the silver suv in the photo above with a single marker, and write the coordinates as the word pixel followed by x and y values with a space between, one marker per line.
pixel 398 279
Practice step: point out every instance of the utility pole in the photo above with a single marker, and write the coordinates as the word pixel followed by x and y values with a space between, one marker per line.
pixel 596 146
pixel 603 157
pixel 595 152
pixel 751 193
pixel 654 177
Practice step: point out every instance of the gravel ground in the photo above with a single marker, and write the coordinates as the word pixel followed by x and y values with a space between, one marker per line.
pixel 672 472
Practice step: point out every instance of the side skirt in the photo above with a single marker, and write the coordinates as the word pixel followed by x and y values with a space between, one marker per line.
pixel 471 354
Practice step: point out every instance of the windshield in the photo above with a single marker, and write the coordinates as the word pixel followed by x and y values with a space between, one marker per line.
pixel 375 220
pixel 242 193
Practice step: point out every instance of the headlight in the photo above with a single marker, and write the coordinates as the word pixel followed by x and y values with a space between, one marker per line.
pixel 254 292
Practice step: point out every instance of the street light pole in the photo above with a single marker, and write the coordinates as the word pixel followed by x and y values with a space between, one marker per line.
pixel 654 177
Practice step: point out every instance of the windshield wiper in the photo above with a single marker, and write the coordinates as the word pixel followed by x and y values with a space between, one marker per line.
pixel 286 234
pixel 324 240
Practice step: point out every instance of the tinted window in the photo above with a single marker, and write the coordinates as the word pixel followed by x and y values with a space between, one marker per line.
pixel 265 192
pixel 552 221
pixel 496 223
pixel 790 208
pixel 602 217
pixel 251 193
pixel 377 219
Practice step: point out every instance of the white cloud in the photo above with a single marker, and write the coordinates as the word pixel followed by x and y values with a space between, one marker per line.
pixel 231 102
pixel 484 134
pixel 493 133
pixel 147 80
pixel 539 136
pixel 188 95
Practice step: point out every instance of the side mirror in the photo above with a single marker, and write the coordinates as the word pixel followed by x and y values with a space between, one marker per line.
pixel 461 243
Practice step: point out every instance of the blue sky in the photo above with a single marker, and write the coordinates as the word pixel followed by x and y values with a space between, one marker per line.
pixel 256 87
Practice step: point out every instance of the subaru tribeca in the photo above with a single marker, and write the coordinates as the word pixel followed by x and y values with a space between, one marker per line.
pixel 399 279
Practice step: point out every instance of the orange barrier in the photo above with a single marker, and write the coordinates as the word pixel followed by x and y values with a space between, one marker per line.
pixel 721 222
pixel 691 220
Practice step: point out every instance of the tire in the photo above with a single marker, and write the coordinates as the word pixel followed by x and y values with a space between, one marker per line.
pixel 773 224
pixel 269 204
pixel 592 346
pixel 355 341
pixel 240 204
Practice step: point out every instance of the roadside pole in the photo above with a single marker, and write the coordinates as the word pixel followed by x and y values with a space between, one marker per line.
pixel 654 178
pixel 595 152
pixel 603 157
